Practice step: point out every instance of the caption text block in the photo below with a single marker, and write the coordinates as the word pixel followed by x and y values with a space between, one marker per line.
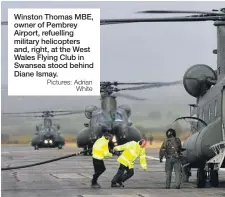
pixel 53 52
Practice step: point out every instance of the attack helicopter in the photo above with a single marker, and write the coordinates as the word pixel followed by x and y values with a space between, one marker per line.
pixel 47 135
pixel 205 148
pixel 113 118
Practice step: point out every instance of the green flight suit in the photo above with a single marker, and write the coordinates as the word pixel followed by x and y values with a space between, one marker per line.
pixel 171 149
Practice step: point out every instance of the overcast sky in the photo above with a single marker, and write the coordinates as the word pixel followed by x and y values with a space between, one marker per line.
pixel 140 52
pixel 149 51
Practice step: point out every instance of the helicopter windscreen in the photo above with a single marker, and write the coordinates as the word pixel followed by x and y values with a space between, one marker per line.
pixel 105 118
pixel 48 123
pixel 121 115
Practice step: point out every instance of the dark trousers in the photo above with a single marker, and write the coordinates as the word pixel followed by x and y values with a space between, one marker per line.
pixel 121 176
pixel 99 168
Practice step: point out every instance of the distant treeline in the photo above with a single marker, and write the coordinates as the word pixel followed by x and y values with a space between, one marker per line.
pixel 157 134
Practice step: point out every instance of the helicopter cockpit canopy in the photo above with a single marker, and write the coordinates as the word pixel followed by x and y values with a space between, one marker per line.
pixel 88 111
pixel 105 118
pixel 47 123
pixel 53 128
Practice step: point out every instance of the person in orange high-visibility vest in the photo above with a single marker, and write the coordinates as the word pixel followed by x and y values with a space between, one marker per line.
pixel 131 151
pixel 100 150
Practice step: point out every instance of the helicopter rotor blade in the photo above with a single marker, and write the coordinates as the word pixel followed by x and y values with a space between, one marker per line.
pixel 115 83
pixel 168 19
pixel 180 12
pixel 127 96
pixel 157 85
pixel 69 113
pixel 20 113
pixel 65 111
pixel 53 111
pixel 49 113
pixel 14 116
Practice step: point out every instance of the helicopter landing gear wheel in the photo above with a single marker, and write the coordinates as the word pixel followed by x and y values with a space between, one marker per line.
pixel 36 147
pixel 201 178
pixel 186 174
pixel 85 151
pixel 90 151
pixel 214 178
pixel 60 146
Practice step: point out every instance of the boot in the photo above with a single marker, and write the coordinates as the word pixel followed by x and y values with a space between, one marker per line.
pixel 177 187
pixel 95 185
pixel 121 184
pixel 167 187
pixel 114 185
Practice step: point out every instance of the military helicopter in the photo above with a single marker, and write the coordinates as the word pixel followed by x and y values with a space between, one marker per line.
pixel 204 149
pixel 47 135
pixel 112 118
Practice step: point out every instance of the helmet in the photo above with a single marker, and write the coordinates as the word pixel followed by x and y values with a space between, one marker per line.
pixel 107 135
pixel 143 143
pixel 170 133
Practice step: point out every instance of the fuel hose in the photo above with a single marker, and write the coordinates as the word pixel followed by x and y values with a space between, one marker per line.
pixel 44 162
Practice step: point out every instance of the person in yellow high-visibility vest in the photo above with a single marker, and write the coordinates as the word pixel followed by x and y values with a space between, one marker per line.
pixel 131 151
pixel 100 150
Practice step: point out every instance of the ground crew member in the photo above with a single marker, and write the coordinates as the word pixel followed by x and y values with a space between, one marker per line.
pixel 151 139
pixel 100 150
pixel 171 149
pixel 131 151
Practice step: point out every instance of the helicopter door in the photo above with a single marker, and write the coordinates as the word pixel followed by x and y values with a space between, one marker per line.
pixel 223 112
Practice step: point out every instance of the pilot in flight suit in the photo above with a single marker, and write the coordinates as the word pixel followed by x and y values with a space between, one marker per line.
pixel 171 149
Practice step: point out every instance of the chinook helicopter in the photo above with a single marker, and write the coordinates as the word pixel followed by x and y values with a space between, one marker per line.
pixel 205 148
pixel 47 135
pixel 112 118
